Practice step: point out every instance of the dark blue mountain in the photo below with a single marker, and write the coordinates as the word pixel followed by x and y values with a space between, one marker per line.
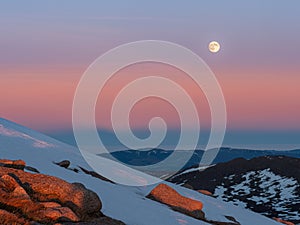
pixel 149 157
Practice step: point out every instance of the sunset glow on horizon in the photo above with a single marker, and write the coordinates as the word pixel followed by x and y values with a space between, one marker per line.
pixel 253 102
pixel 44 54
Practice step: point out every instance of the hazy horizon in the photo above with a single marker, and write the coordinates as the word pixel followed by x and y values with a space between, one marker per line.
pixel 256 140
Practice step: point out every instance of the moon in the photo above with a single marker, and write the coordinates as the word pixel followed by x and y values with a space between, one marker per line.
pixel 214 46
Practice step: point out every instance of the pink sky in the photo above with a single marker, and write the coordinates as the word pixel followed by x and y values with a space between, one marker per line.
pixel 47 46
pixel 41 98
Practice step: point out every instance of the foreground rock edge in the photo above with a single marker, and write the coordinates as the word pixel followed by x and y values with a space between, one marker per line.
pixel 27 198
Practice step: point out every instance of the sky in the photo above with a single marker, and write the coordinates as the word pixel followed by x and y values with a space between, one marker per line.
pixel 46 46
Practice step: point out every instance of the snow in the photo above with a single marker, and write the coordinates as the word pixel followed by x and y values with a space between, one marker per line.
pixel 271 186
pixel 125 203
pixel 194 169
pixel 12 133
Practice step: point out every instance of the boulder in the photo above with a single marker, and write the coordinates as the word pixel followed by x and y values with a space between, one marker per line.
pixel 188 186
pixel 16 164
pixel 57 214
pixel 283 221
pixel 48 188
pixel 20 193
pixel 8 183
pixel 205 192
pixel 32 169
pixel 35 199
pixel 19 203
pixel 8 218
pixel 64 163
pixel 167 195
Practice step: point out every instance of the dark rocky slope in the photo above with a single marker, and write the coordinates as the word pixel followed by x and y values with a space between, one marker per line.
pixel 269 185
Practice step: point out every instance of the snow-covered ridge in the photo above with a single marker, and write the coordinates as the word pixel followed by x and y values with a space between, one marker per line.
pixel 12 133
pixel 124 203
pixel 190 170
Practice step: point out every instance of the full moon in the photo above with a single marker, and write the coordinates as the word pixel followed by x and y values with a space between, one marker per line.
pixel 214 46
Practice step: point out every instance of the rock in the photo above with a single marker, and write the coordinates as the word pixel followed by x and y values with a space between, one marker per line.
pixel 8 218
pixel 205 192
pixel 87 201
pixel 19 192
pixel 32 169
pixel 106 221
pixel 75 170
pixel 13 203
pixel 19 200
pixel 94 174
pixel 188 186
pixel 35 199
pixel 57 214
pixel 167 195
pixel 232 219
pixel 8 182
pixel 48 188
pixel 16 164
pixel 98 221
pixel 50 204
pixel 283 221
pixel 64 163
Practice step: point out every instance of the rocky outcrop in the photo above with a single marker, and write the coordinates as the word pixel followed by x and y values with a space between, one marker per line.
pixel 27 197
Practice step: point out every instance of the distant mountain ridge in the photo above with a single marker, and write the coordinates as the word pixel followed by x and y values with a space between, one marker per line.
pixel 152 156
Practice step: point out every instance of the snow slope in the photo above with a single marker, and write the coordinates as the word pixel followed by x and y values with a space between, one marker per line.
pixel 278 191
pixel 124 203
